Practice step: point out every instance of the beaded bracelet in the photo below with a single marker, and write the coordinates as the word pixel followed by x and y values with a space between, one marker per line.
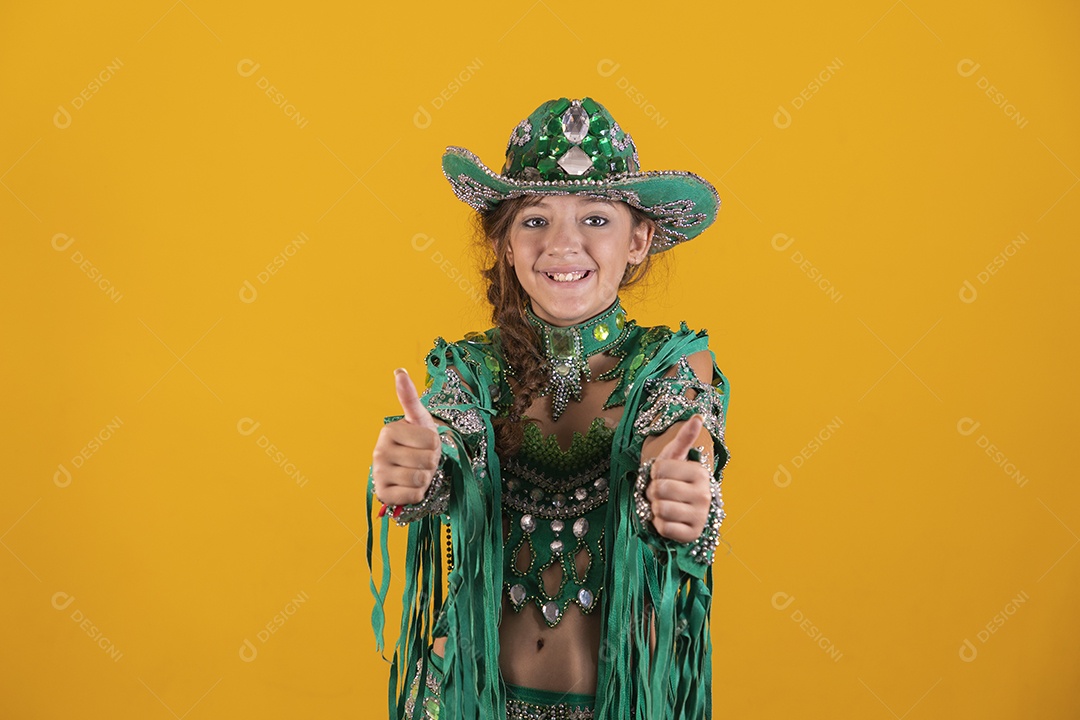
pixel 642 506
pixel 436 498
pixel 435 501
pixel 704 547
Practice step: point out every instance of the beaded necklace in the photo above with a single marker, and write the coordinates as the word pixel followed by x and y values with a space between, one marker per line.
pixel 568 349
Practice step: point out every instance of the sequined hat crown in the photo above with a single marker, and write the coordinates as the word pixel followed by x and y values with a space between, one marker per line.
pixel 576 146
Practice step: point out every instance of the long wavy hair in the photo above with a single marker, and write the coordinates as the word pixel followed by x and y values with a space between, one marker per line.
pixel 528 369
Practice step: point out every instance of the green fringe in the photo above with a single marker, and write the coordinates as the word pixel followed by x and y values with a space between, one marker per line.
pixel 653 572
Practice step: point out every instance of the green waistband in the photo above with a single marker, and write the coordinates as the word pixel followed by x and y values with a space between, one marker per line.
pixel 524 694
pixel 548 697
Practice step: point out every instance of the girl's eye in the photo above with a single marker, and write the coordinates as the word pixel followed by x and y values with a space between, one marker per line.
pixel 534 222
pixel 596 220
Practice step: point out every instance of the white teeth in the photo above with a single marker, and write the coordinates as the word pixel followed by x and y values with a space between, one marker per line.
pixel 567 277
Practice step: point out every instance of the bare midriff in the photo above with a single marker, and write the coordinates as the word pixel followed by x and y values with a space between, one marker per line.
pixel 531 654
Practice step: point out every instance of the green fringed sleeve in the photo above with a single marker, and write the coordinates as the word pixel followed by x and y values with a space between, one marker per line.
pixel 469 615
pixel 657 573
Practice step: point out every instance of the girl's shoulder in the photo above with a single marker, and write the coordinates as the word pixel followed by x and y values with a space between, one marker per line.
pixel 475 359
pixel 648 340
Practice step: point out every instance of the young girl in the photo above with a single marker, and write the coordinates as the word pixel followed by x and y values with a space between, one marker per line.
pixel 573 457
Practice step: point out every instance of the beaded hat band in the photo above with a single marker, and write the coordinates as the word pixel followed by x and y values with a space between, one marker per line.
pixel 575 146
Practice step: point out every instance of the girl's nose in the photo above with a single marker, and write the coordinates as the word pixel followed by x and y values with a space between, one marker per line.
pixel 564 238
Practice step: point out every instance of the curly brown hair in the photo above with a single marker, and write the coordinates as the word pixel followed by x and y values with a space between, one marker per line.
pixel 528 369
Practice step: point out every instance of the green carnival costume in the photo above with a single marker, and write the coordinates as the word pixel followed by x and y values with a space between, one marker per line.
pixel 587 500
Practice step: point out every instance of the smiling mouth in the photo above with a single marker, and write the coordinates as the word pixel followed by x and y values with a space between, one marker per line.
pixel 570 276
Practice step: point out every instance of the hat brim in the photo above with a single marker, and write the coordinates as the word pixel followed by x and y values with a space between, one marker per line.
pixel 681 203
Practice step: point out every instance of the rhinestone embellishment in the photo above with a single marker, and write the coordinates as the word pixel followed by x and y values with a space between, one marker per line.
pixel 575 162
pixel 581 526
pixel 585 598
pixel 528 523
pixel 575 123
pixel 517 593
pixel 551 611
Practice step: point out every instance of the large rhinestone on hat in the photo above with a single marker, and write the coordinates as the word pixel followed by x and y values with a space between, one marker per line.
pixel 517 593
pixel 551 612
pixel 585 598
pixel 575 161
pixel 575 123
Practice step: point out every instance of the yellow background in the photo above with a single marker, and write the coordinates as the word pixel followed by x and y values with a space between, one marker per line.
pixel 918 561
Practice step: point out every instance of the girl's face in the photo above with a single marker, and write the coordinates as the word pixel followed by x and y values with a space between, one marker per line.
pixel 570 253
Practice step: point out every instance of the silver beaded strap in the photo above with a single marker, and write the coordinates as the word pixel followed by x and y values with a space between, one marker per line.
pixel 522 710
pixel 642 506
pixel 704 548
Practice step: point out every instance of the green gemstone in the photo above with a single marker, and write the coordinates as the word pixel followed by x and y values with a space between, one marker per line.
pixel 601 332
pixel 637 361
pixel 560 107
pixel 599 124
pixel 618 164
pixel 589 145
pixel 546 164
pixel 620 320
pixel 543 143
pixel 492 363
pixel 590 105
pixel 554 126
pixel 559 146
pixel 562 342
pixel 605 146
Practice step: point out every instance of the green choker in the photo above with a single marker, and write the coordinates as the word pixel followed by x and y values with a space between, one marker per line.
pixel 569 348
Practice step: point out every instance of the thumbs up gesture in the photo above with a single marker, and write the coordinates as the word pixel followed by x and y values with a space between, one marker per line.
pixel 408 451
pixel 678 489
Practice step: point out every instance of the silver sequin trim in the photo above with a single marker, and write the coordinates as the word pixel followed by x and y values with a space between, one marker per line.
pixel 521 134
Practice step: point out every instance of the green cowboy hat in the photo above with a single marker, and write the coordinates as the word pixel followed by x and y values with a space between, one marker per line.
pixel 575 146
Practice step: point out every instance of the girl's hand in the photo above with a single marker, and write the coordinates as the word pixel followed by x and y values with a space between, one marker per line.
pixel 678 488
pixel 408 451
